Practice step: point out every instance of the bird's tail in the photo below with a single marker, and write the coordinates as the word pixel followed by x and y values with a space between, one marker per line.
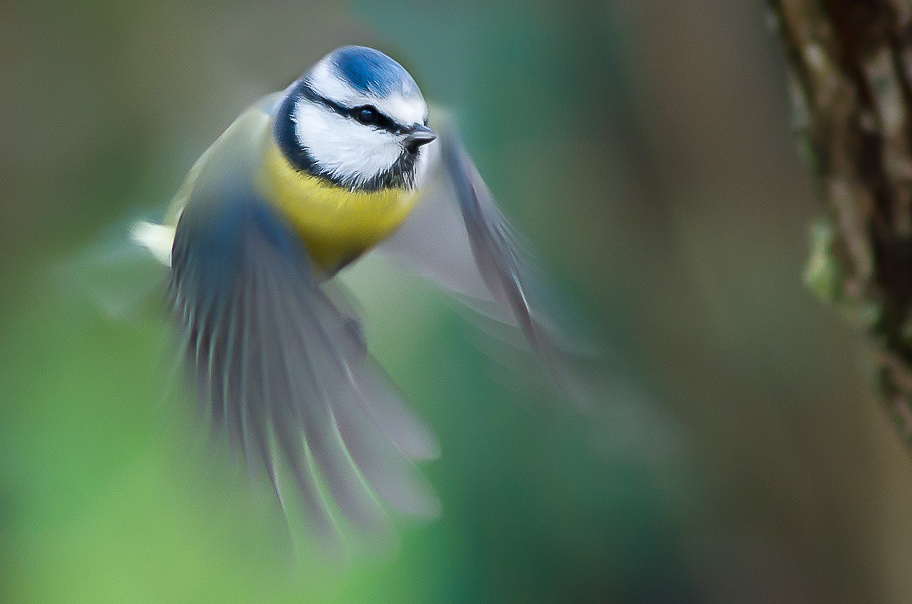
pixel 157 238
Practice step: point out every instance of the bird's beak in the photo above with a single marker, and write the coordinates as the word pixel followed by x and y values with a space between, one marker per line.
pixel 417 136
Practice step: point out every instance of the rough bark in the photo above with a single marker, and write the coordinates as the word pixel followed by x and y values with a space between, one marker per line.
pixel 850 71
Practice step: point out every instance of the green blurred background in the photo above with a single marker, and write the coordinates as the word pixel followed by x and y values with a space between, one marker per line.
pixel 643 147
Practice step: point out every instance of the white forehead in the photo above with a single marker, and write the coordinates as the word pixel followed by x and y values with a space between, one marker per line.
pixel 402 105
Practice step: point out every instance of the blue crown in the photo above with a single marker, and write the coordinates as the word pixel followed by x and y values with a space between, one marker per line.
pixel 371 72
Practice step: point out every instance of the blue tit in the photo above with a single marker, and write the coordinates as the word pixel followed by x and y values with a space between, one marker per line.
pixel 303 183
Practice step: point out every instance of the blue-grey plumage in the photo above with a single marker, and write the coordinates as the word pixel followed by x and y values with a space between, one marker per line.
pixel 302 183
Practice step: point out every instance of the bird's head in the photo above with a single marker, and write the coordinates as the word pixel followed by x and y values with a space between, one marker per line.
pixel 357 120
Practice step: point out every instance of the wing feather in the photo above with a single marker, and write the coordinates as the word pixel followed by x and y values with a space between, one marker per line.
pixel 286 374
pixel 482 259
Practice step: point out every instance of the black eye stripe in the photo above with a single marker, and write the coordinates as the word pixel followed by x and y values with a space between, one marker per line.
pixel 378 120
pixel 381 121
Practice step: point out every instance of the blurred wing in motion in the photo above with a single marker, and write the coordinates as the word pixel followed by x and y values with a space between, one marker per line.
pixel 111 276
pixel 459 237
pixel 285 373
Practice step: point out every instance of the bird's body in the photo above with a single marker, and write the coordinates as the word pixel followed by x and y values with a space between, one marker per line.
pixel 302 183
pixel 335 223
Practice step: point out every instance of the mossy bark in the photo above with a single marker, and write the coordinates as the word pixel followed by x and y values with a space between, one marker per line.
pixel 850 72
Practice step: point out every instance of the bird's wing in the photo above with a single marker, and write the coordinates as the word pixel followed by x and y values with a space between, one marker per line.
pixel 282 370
pixel 459 238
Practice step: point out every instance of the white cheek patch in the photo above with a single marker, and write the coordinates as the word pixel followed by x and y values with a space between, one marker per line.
pixel 350 152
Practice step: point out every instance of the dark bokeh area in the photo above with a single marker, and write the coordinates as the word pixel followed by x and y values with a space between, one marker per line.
pixel 644 149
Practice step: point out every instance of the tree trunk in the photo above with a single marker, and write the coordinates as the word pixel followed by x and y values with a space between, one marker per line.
pixel 850 66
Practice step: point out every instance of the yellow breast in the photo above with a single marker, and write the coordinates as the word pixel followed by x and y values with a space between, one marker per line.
pixel 336 224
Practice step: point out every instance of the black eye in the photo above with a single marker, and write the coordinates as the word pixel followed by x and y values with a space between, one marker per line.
pixel 366 115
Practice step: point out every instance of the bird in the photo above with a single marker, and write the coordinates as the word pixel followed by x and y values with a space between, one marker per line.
pixel 342 163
